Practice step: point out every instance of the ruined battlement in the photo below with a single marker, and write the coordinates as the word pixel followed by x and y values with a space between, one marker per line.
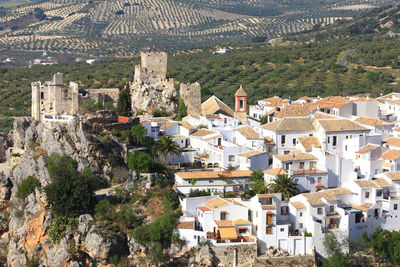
pixel 191 95
pixel 155 63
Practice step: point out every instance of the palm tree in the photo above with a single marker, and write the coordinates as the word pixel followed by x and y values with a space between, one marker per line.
pixel 285 185
pixel 164 146
pixel 138 133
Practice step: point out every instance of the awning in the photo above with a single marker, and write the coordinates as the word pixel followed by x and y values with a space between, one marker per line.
pixel 319 185
pixel 270 212
pixel 228 233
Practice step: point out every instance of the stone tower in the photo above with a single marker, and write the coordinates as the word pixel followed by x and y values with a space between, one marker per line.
pixel 54 98
pixel 241 105
pixel 150 89
pixel 191 95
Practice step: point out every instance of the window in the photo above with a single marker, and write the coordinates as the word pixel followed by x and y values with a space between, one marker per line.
pixel 253 144
pixel 312 180
pixel 210 181
pixel 300 225
pixel 265 201
pixel 231 158
pixel 194 237
pixel 223 215
pixel 301 165
pixel 269 219
pixel 319 179
pixel 301 214
pixel 41 95
pixel 287 166
pixel 332 208
pixel 269 230
pixel 294 141
pixel 334 141
pixel 282 229
pixel 249 216
pixel 296 181
pixel 378 193
pixel 395 206
pixel 345 148
pixel 286 152
pixel 283 139
pixel 284 210
pixel 313 165
pixel 329 139
pixel 242 230
pixel 366 194
pixel 319 211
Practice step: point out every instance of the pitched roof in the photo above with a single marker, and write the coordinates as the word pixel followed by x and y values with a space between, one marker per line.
pixel 315 199
pixel 188 126
pixel 298 205
pixel 275 171
pixel 295 155
pixel 293 110
pixel 364 206
pixel 276 101
pixel 224 223
pixel 290 125
pixel 185 225
pixel 393 141
pixel 394 176
pixel 381 182
pixel 268 141
pixel 216 203
pixel 330 102
pixel 168 124
pixel 322 115
pixel 366 184
pixel 391 154
pixel 367 148
pixel 228 233
pixel 240 92
pixel 202 132
pixel 241 222
pixel 213 174
pixel 203 209
pixel 251 154
pixel 214 105
pixel 341 125
pixel 309 142
pixel 371 121
pixel 248 132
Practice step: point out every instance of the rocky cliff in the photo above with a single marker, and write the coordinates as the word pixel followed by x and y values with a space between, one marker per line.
pixel 24 223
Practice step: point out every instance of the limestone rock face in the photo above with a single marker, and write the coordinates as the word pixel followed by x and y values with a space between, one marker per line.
pixel 4 144
pixel 5 190
pixel 147 97
pixel 101 244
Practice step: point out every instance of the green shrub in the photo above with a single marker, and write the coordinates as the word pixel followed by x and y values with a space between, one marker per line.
pixel 161 113
pixel 32 263
pixel 27 187
pixel 71 193
pixel 198 193
pixel 58 227
pixel 104 209
pixel 127 218
pixel 139 161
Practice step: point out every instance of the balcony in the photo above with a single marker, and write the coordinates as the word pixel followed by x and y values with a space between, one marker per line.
pixel 310 171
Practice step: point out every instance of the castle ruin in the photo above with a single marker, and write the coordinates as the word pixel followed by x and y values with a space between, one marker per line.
pixel 191 95
pixel 54 98
pixel 151 90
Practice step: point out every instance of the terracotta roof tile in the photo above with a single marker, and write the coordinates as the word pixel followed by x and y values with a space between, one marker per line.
pixel 371 121
pixel 185 225
pixel 202 132
pixel 213 174
pixel 366 184
pixel 240 92
pixel 224 223
pixel 216 203
pixel 188 126
pixel 290 125
pixel 394 176
pixel 309 142
pixel 213 105
pixel 393 141
pixel 295 155
pixel 298 205
pixel 364 206
pixel 341 125
pixel 203 209
pixel 391 154
pixel 251 154
pixel 248 132
pixel 367 148
pixel 241 222
pixel 268 207
pixel 268 141
pixel 275 171
pixel 381 182
pixel 294 110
